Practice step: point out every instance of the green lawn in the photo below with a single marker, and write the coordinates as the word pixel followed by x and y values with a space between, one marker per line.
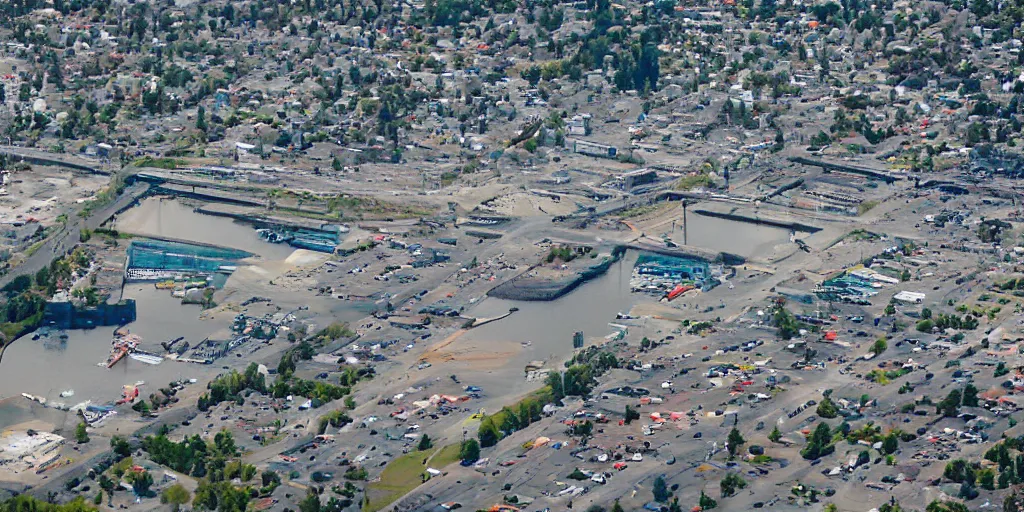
pixel 445 456
pixel 405 473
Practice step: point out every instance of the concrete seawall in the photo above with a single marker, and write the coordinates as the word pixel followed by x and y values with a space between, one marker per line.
pixel 517 289
pixel 795 226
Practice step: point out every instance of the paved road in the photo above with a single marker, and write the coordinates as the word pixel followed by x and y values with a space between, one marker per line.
pixel 61 242
pixel 45 157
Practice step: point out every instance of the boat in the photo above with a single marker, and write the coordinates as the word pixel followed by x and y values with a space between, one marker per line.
pixel 124 343
pixel 35 398
pixel 67 393
pixel 678 290
pixel 143 357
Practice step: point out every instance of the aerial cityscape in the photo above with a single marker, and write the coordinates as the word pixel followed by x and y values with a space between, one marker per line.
pixel 345 255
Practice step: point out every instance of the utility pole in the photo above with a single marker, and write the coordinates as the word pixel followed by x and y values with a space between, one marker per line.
pixel 684 222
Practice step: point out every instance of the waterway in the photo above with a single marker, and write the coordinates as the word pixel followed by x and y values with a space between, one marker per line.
pixel 171 218
pixel 47 366
pixel 734 237
pixel 548 327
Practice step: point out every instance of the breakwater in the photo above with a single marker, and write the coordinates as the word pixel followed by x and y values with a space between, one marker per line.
pixel 795 226
pixel 524 287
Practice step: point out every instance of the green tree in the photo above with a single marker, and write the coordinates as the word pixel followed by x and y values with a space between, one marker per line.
pixel 820 443
pixel 731 484
pixel 201 119
pixel 959 471
pixel 616 507
pixel 141 483
pixel 890 443
pixel 775 434
pixel 970 396
pixel 950 406
pixel 706 502
pixel 81 435
pixel 879 346
pixel 735 441
pixel 987 479
pixel 175 496
pixel 425 443
pixel 660 490
pixel 120 446
pixel 786 323
pixel 469 452
pixel 826 409
pixel 311 503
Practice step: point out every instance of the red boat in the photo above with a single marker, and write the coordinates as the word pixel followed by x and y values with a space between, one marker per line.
pixel 678 290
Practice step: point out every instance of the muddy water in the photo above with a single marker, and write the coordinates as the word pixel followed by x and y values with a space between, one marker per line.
pixel 156 216
pixel 724 235
pixel 46 366
pixel 549 326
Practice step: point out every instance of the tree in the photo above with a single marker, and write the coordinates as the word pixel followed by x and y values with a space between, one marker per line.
pixel 970 396
pixel 616 507
pixel 879 346
pixel 949 407
pixel 706 502
pixel 735 441
pixel 176 496
pixel 959 471
pixel 81 436
pixel 926 313
pixel 660 490
pixel 311 503
pixel 905 275
pixel 469 452
pixel 786 323
pixel 631 415
pixel 826 409
pixel 141 483
pixel 987 479
pixel 120 446
pixel 775 434
pixel 732 483
pixel 890 443
pixel 820 443
pixel 425 443
pixel 201 119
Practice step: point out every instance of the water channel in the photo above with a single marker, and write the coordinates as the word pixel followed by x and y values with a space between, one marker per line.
pixel 723 235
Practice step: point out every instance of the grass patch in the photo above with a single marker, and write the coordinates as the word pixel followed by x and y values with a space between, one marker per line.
pixel 640 211
pixel 401 476
pixel 32 249
pixel 405 473
pixel 694 181
pixel 445 456
pixel 866 206
pixel 159 163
